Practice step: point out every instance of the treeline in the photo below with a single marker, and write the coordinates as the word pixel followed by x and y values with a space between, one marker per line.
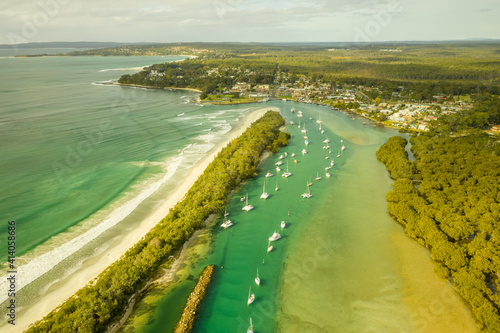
pixel 207 75
pixel 486 112
pixel 95 306
pixel 454 211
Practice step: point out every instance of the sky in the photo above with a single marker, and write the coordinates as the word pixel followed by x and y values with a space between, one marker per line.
pixel 23 21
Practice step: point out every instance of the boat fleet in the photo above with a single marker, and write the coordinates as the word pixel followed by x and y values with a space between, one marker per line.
pixel 306 195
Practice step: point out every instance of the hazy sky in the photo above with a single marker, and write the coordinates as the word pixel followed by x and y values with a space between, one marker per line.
pixel 246 20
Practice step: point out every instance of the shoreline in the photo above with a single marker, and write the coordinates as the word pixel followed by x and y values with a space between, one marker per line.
pixel 88 272
pixel 151 87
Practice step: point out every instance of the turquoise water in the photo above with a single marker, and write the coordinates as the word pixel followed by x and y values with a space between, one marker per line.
pixel 336 267
pixel 83 161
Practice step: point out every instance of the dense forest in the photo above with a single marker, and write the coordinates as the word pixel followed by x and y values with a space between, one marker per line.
pixel 418 72
pixel 104 299
pixel 448 199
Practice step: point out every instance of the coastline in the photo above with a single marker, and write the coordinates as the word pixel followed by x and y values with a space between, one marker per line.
pixel 151 87
pixel 94 266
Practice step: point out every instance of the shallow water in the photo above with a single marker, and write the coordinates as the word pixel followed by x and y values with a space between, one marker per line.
pixel 342 265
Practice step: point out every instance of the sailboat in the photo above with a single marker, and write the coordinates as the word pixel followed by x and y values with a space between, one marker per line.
pixel 247 206
pixel 292 110
pixel 264 194
pixel 274 237
pixel 286 174
pixel 251 297
pixel 343 148
pixel 307 194
pixel 250 328
pixel 299 123
pixel 227 223
pixel 338 153
pixel 317 176
pixel 257 279
pixel 225 212
pixel 304 129
pixel 327 175
pixel 283 224
pixel 309 183
pixel 268 174
pixel 269 246
pixel 276 188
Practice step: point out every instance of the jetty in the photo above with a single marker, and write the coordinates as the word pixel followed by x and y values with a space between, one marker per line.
pixel 185 324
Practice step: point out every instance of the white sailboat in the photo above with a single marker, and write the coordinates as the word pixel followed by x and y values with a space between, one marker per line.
pixel 276 188
pixel 225 212
pixel 343 148
pixel 327 175
pixel 307 194
pixel 304 129
pixel 283 224
pixel 318 177
pixel 268 174
pixel 247 206
pixel 286 174
pixel 275 236
pixel 257 279
pixel 264 194
pixel 227 223
pixel 269 246
pixel 251 297
pixel 250 328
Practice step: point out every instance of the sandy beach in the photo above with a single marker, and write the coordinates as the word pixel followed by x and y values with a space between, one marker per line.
pixel 93 266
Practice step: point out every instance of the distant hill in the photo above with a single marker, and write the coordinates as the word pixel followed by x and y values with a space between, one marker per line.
pixel 76 45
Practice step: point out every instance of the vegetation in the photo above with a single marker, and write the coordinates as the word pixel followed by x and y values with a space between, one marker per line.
pixel 101 301
pixel 486 112
pixel 454 211
pixel 417 72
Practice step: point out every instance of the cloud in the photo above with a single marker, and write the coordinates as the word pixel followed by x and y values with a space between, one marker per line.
pixel 245 20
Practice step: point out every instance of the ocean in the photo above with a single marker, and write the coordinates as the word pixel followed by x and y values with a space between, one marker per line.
pixel 83 161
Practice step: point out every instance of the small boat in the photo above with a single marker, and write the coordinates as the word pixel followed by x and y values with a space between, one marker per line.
pixel 282 157
pixel 304 129
pixel 293 154
pixel 299 114
pixel 278 169
pixel 250 328
pixel 343 148
pixel 299 123
pixel 309 183
pixel 283 224
pixel 264 194
pixel 322 131
pixel 257 279
pixel 269 246
pixel 279 163
pixel 295 161
pixel 326 141
pixel 328 168
pixel 291 122
pixel 338 153
pixel 269 174
pixel 242 198
pixel 306 142
pixel 327 175
pixel 276 188
pixel 292 110
pixel 332 163
pixel 304 151
pixel 251 297
pixel 226 213
pixel 275 236
pixel 307 194
pixel 319 120
pixel 317 176
pixel 226 224
pixel 247 206
pixel 286 174
pixel 326 147
pixel 305 137
pixel 286 154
